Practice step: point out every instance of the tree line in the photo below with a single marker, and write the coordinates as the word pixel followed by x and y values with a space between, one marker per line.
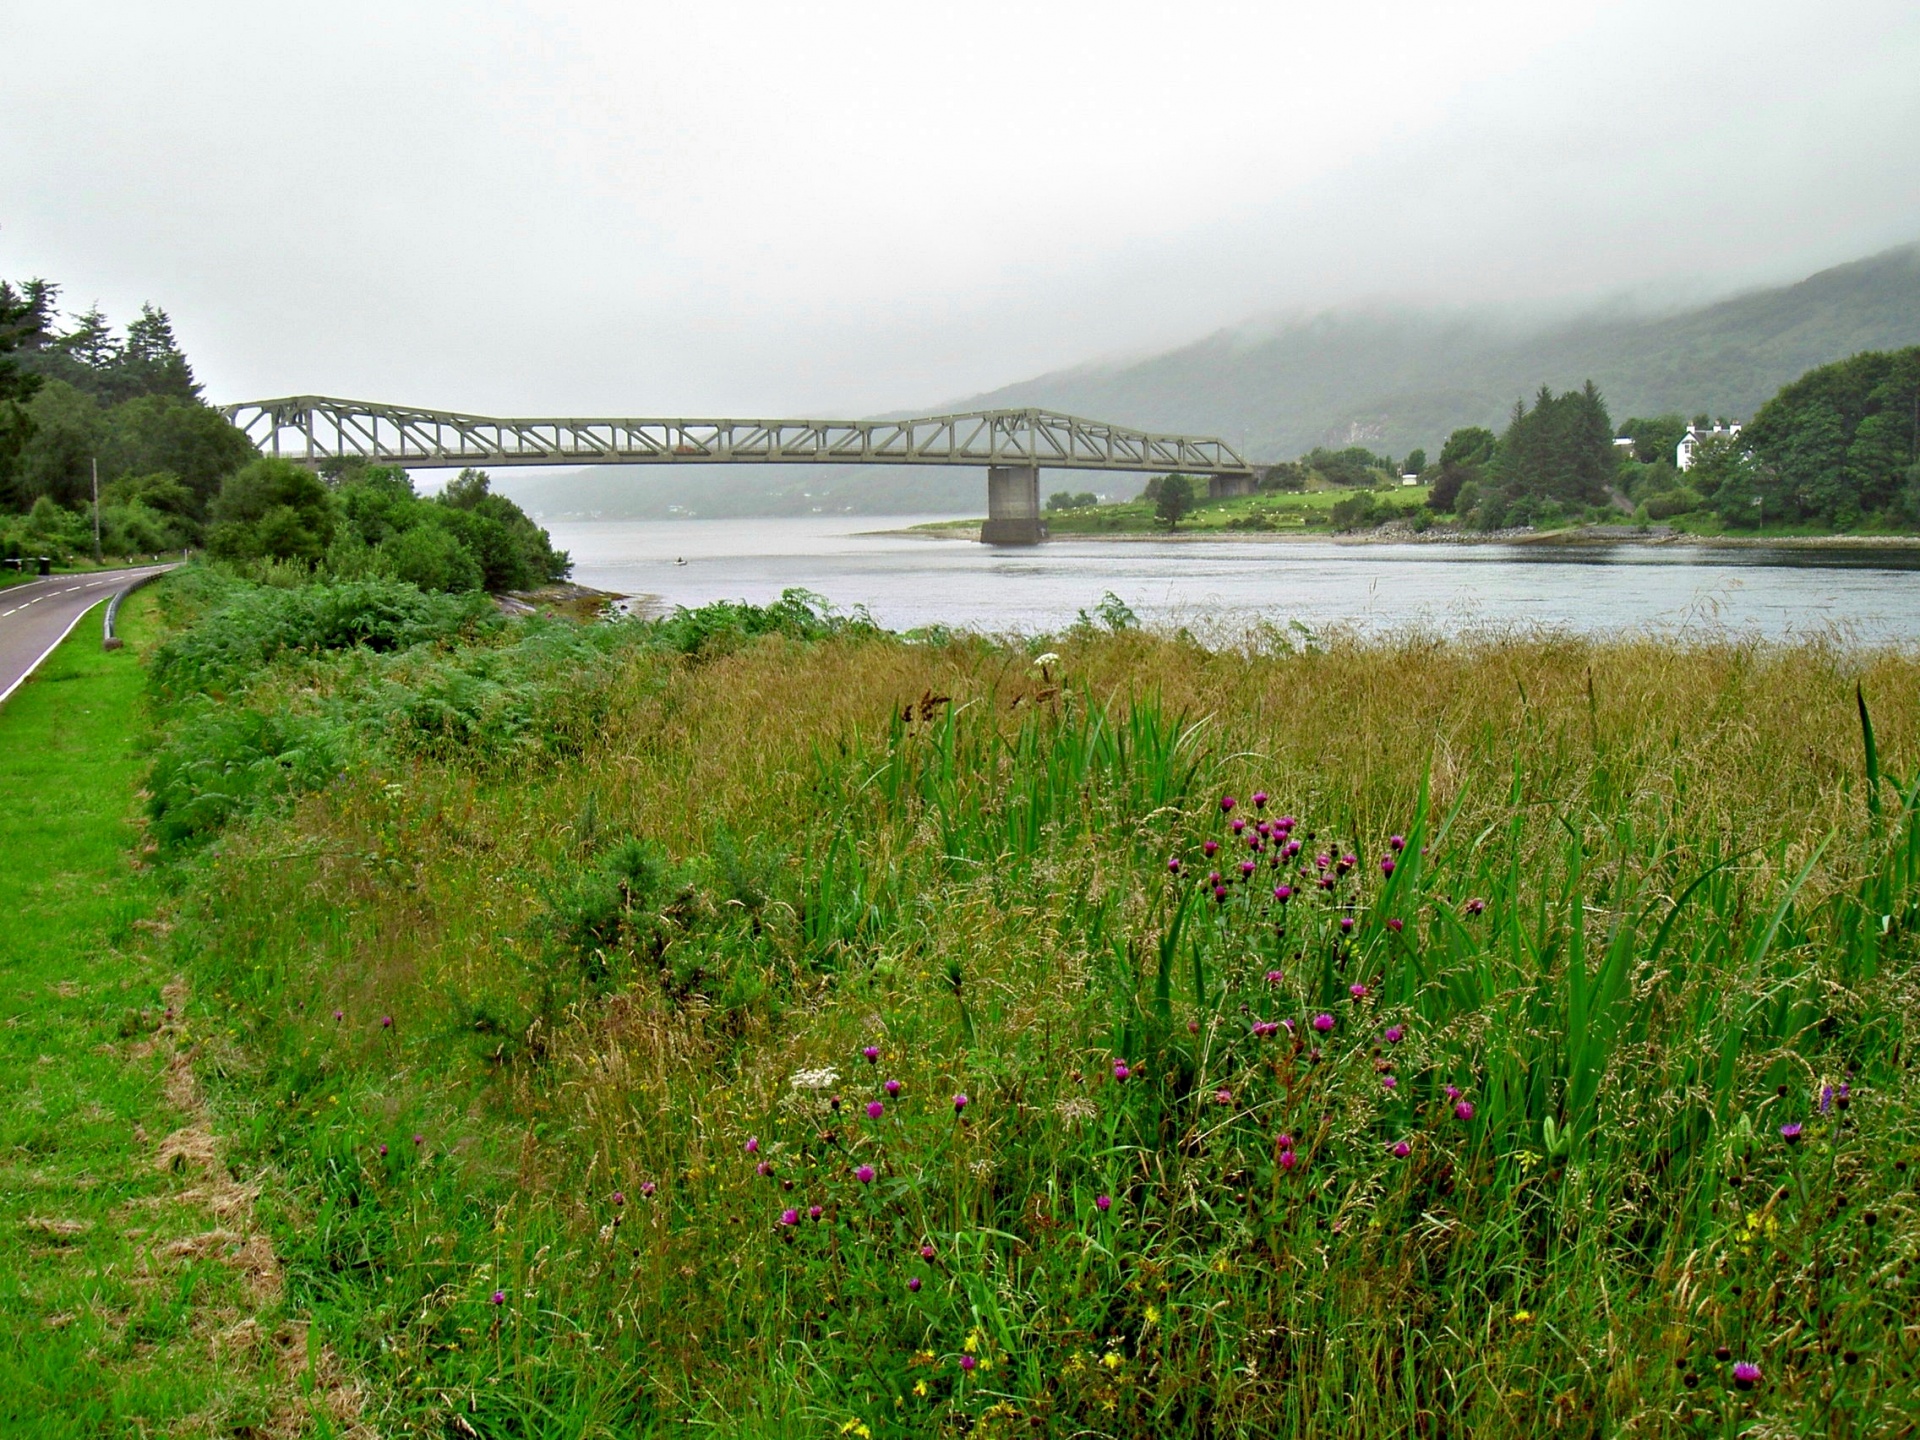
pixel 78 398
pixel 1836 449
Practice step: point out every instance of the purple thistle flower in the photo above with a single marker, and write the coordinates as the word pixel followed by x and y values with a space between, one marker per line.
pixel 1120 1070
pixel 967 1362
pixel 1842 1097
pixel 1103 1203
pixel 789 1217
pixel 1246 869
pixel 1453 1092
pixel 1746 1375
pixel 419 1139
pixel 1346 924
pixel 499 1297
pixel 383 1149
pixel 1389 1081
pixel 1323 1022
pixel 1464 1110
pixel 1283 1140
pixel 1476 906
pixel 1239 826
pixel 1289 1025
pixel 1274 977
pixel 1357 990
pixel 1397 842
pixel 1259 799
pixel 1323 860
pixel 1386 865
pixel 763 1169
pixel 753 1145
pixel 926 1252
pixel 618 1198
pixel 814 1212
pixel 1210 848
pixel 1790 1132
pixel 892 1087
pixel 1173 865
pixel 864 1174
pixel 1226 804
pixel 386 1022
pixel 959 1103
pixel 1396 924
pixel 1347 862
pixel 336 1015
pixel 875 1109
pixel 1326 882
pixel 1395 1034
pixel 646 1189
pixel 1288 1159
pixel 1223 1097
pixel 914 1284
pixel 1293 848
pixel 1283 893
pixel 872 1052
pixel 1220 894
pixel 1401 1149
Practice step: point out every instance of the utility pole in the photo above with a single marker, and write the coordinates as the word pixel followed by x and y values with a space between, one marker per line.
pixel 96 510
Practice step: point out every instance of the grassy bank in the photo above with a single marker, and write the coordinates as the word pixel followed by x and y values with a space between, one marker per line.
pixel 1304 512
pixel 1281 513
pixel 133 1294
pixel 603 1003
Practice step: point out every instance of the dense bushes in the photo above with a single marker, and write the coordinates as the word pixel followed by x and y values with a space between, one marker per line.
pixel 266 692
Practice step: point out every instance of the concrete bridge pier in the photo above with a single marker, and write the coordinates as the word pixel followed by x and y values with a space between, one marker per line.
pixel 1013 506
pixel 1221 487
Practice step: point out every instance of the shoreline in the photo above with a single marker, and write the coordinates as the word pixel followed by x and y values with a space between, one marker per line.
pixel 1596 536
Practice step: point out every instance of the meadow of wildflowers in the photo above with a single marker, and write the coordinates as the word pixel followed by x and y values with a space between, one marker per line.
pixel 842 1034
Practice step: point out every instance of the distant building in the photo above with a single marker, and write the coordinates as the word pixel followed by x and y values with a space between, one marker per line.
pixel 1683 452
pixel 1623 447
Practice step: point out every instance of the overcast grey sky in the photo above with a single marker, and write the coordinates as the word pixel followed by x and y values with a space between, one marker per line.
pixel 846 206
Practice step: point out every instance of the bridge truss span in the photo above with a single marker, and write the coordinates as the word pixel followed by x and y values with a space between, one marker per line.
pixel 316 429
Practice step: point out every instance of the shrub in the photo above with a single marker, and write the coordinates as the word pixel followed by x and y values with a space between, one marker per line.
pixel 1669 503
pixel 431 558
pixel 272 509
pixel 255 625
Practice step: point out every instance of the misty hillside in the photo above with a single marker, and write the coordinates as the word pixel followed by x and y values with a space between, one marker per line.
pixel 1397 379
pixel 1390 379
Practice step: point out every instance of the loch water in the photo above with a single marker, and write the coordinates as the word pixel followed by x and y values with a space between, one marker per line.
pixel 1219 586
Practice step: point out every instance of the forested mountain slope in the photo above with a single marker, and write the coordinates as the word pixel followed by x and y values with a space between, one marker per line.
pixel 1397 379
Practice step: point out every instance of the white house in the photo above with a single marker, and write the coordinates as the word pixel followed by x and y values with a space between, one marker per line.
pixel 1683 452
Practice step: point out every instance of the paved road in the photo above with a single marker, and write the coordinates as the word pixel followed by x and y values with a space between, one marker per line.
pixel 36 617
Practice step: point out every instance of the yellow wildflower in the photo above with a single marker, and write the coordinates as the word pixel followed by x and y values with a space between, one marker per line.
pixel 855 1427
pixel 1153 1314
pixel 1113 1360
pixel 1521 1317
pixel 920 1388
pixel 923 1357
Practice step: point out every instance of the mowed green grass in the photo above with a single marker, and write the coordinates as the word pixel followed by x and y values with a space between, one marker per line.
pixel 120 1314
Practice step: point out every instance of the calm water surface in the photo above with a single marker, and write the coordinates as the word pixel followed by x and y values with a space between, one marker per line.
pixel 907 581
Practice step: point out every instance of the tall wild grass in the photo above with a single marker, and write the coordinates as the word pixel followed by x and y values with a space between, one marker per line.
pixel 760 1023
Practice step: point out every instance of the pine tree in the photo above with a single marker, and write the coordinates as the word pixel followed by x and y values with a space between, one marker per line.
pixel 151 362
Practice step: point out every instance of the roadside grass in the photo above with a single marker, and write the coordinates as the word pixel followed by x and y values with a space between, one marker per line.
pixel 130 1299
pixel 552 991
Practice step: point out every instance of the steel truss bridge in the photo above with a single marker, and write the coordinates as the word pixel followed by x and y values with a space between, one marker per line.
pixel 1013 445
